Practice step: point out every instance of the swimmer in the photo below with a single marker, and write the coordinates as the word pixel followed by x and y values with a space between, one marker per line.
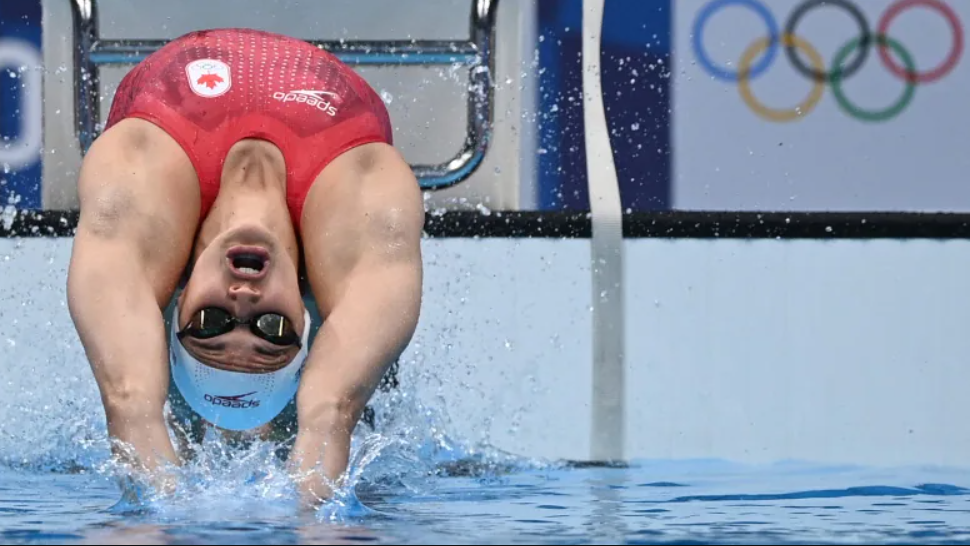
pixel 235 163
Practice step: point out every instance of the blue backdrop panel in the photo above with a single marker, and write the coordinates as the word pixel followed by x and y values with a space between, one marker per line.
pixel 20 23
pixel 636 77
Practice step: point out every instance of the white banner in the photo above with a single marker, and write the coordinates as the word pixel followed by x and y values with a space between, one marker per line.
pixel 763 121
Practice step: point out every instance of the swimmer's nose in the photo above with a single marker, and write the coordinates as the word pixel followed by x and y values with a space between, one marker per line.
pixel 244 294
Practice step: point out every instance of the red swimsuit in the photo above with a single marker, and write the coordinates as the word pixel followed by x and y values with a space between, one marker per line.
pixel 211 89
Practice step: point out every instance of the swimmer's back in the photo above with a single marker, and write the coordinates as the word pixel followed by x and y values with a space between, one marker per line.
pixel 210 89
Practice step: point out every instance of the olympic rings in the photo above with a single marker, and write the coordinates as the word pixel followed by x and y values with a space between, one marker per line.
pixel 821 75
pixel 951 59
pixel 744 87
pixel 701 53
pixel 840 70
pixel 875 115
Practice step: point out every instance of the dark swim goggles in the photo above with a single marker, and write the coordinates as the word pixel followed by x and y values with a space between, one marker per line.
pixel 212 322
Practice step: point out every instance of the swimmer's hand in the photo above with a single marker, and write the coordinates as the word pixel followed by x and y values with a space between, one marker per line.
pixel 139 485
pixel 362 226
pixel 319 464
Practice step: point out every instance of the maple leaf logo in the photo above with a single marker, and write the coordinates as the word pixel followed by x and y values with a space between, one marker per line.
pixel 209 80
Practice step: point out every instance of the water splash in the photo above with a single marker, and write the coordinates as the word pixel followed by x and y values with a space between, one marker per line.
pixel 253 481
pixel 406 449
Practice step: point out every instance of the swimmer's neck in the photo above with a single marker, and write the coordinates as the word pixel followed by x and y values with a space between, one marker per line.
pixel 252 191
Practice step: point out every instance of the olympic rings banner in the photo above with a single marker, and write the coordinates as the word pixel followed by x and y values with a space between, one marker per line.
pixel 821 105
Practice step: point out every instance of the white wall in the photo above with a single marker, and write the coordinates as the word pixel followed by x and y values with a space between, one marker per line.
pixel 828 351
pixel 837 351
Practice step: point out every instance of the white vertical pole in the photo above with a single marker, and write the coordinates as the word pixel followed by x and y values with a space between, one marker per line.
pixel 609 397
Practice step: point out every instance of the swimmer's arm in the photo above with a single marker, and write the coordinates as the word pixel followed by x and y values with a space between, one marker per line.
pixel 124 265
pixel 121 329
pixel 362 232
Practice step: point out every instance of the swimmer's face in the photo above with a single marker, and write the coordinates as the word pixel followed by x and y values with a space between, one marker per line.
pixel 246 272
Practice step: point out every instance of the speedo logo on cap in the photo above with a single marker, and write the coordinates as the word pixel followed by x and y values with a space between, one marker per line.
pixel 321 100
pixel 234 402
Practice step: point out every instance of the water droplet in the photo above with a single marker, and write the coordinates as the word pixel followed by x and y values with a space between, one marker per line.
pixel 7 217
pixel 635 127
pixel 387 97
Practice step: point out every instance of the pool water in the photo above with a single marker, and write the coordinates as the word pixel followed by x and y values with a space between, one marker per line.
pixel 413 481
pixel 484 497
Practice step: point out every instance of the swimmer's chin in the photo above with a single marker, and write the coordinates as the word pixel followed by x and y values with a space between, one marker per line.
pixel 248 234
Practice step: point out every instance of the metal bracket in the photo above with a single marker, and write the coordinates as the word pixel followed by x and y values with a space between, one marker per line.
pixel 477 54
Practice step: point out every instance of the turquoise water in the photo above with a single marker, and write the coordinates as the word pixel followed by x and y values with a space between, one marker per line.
pixel 413 482
pixel 494 498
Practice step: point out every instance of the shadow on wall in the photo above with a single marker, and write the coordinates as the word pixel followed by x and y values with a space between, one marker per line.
pixel 636 74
